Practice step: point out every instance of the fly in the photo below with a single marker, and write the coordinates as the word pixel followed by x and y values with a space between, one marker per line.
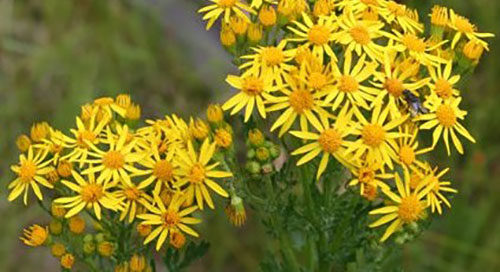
pixel 414 104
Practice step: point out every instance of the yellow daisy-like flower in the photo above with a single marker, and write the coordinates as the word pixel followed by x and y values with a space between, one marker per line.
pixel 83 135
pixel 35 235
pixel 316 36
pixel 117 161
pixel 464 27
pixel 161 168
pixel 407 148
pixel 392 81
pixel 253 89
pixel 298 101
pixel 443 117
pixel 359 35
pixel 435 197
pixel 442 81
pixel 228 7
pixel 408 205
pixel 169 219
pixel 30 172
pixel 270 61
pixel 330 141
pixel 131 196
pixel 196 174
pixel 349 89
pixel 398 13
pixel 369 174
pixel 106 107
pixel 92 194
pixel 417 48
pixel 376 139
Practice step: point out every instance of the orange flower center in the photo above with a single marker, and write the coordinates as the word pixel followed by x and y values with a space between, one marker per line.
pixel 348 84
pixel 443 88
pixel 317 80
pixel 319 34
pixel 252 85
pixel 406 155
pixel 27 171
pixel 394 87
pixel 272 56
pixel 410 209
pixel 132 193
pixel 373 135
pixel 226 3
pixel 197 174
pixel 113 160
pixel 330 140
pixel 446 115
pixel 91 193
pixel 366 175
pixel 171 219
pixel 413 43
pixel 163 170
pixel 301 100
pixel 360 34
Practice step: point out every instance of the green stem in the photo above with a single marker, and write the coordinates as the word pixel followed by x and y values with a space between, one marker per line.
pixel 288 255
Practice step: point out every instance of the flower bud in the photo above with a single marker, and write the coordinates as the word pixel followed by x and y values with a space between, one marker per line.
pixel 143 229
pixel 123 100
pixel 89 247
pixel 86 112
pixel 251 154
pixel 199 129
pixel 64 168
pixel 256 137
pixel 76 224
pixel 267 168
pixel 235 211
pixel 223 138
pixel 99 237
pixel 262 154
pixel 253 167
pixel 254 33
pixel 40 131
pixel 55 227
pixel 267 16
pixel 177 239
pixel 227 37
pixel 323 8
pixel 137 263
pixel 239 25
pixel 133 112
pixel 105 249
pixel 57 250
pixel 473 50
pixel 57 211
pixel 23 142
pixel 275 151
pixel 67 261
pixel 215 113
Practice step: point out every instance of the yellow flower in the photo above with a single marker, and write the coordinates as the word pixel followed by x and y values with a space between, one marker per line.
pixel 291 9
pixel 177 239
pixel 439 16
pixel 169 219
pixel 473 50
pixel 330 141
pixel 436 196
pixel 323 7
pixel 30 173
pixel 464 27
pixel 443 116
pixel 197 174
pixel 40 131
pixel 35 236
pixel 199 129
pixel 297 101
pixel 377 140
pixel 417 48
pixel 239 25
pixel 253 88
pixel 223 138
pixel 369 174
pixel 254 33
pixel 407 148
pixel 256 137
pixel 143 229
pixel 235 211
pixel 57 211
pixel 161 169
pixel 91 194
pixel 443 81
pixel 393 80
pixel 105 248
pixel 270 62
pixel 316 36
pixel 106 106
pixel 349 89
pixel 23 142
pixel 117 161
pixel 131 196
pixel 133 112
pixel 227 8
pixel 227 36
pixel 123 100
pixel 83 135
pixel 408 206
pixel 67 261
pixel 393 12
pixel 359 36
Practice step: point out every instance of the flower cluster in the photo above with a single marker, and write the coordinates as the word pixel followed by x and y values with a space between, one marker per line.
pixel 356 81
pixel 151 179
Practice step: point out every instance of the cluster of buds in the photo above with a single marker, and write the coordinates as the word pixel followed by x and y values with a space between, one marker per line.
pixel 261 153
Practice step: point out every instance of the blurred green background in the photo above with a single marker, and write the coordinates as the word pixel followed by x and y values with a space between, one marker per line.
pixel 58 54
